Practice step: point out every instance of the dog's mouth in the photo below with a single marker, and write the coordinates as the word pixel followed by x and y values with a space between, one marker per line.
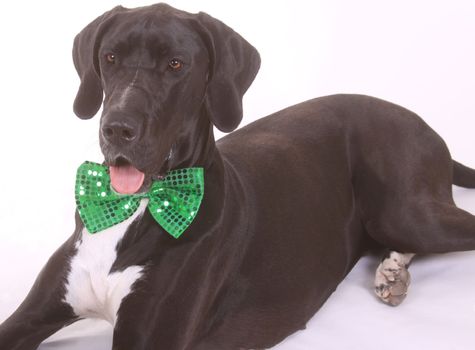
pixel 127 179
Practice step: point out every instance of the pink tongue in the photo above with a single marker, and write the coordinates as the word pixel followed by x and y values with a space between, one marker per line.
pixel 126 179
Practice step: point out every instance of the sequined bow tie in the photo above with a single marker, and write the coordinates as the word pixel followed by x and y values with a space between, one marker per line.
pixel 173 201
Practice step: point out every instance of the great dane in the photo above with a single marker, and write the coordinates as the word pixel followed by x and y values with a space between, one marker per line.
pixel 291 201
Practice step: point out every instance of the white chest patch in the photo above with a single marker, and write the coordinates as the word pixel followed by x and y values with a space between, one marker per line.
pixel 90 289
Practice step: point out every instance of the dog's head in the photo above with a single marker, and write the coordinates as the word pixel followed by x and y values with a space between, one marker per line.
pixel 159 73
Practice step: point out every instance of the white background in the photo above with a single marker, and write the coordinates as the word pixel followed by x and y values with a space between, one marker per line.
pixel 420 54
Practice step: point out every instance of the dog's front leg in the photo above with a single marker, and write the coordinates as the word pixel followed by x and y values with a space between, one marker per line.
pixel 43 312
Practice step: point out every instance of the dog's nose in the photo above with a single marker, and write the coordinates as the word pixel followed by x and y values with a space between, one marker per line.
pixel 119 132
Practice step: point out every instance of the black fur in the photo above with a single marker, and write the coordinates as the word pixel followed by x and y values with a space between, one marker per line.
pixel 291 201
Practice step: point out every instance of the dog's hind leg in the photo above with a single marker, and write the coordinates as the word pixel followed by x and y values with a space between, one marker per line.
pixel 392 278
pixel 419 217
pixel 427 227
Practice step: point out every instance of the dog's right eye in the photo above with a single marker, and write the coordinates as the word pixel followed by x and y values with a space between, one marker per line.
pixel 175 64
pixel 110 58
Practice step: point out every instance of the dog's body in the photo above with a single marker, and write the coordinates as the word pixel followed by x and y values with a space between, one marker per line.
pixel 291 202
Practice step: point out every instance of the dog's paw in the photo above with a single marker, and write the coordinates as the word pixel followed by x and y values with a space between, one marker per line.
pixel 392 278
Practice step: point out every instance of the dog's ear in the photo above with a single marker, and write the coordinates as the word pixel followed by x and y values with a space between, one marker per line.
pixel 233 67
pixel 85 56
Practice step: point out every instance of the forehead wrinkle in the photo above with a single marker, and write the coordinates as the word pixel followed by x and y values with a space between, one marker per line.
pixel 158 34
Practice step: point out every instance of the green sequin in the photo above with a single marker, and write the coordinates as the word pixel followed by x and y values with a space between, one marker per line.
pixel 173 201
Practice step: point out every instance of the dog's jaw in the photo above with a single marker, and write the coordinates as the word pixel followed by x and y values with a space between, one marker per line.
pixel 119 163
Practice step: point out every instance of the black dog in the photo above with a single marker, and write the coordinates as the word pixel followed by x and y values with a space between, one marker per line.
pixel 291 201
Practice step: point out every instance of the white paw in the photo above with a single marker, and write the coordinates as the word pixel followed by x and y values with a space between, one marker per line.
pixel 392 278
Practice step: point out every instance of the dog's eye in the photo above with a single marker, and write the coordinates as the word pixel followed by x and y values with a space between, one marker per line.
pixel 175 64
pixel 110 57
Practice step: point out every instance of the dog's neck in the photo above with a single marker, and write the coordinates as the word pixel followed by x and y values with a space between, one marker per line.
pixel 198 148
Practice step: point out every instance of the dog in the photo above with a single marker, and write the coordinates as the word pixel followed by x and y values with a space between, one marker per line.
pixel 290 202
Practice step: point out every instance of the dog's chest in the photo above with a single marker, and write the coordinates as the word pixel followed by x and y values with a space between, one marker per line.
pixel 91 290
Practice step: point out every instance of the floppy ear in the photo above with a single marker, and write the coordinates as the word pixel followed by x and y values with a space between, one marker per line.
pixel 85 50
pixel 233 67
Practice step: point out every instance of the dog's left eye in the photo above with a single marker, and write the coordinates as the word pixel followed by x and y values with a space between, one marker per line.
pixel 175 64
pixel 110 57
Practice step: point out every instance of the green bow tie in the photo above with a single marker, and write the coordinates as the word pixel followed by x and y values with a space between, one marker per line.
pixel 173 201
